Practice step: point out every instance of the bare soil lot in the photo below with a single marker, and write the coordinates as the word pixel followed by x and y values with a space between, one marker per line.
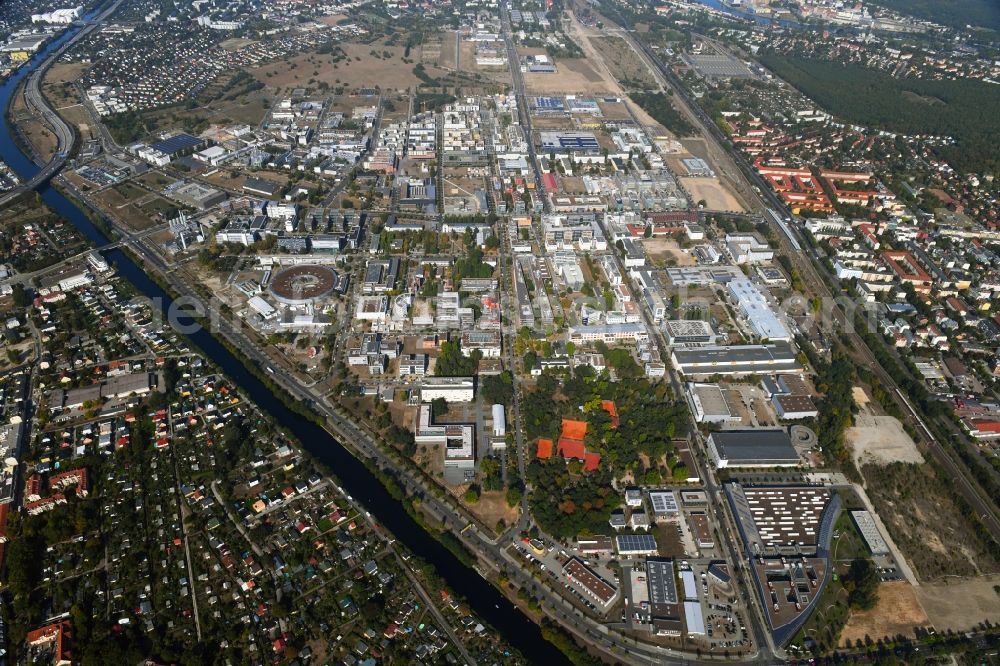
pixel 714 194
pixel 962 604
pixel 898 612
pixel 881 440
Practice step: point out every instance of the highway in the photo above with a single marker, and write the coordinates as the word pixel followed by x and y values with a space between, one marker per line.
pixel 36 101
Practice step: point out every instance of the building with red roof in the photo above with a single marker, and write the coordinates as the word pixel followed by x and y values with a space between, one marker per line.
pixel 907 269
pixel 573 429
pixel 53 639
pixel 983 428
pixel 612 410
pixel 572 448
pixel 74 477
pixel 571 444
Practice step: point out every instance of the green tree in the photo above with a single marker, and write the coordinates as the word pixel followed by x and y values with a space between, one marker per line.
pixel 861 583
pixel 439 407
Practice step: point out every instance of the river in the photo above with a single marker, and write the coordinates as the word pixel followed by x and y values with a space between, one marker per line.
pixel 750 15
pixel 485 600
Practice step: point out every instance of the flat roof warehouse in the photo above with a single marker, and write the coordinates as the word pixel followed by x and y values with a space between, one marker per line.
pixel 177 143
pixel 752 448
pixel 736 359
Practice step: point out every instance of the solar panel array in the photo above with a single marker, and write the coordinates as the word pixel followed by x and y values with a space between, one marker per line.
pixel 664 502
pixel 176 144
pixel 635 543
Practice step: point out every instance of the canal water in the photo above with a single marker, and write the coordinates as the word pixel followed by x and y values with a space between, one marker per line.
pixel 483 598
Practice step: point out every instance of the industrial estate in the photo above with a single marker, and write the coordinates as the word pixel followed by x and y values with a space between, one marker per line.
pixel 487 332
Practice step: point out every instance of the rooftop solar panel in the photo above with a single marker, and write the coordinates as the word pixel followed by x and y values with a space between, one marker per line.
pixel 175 144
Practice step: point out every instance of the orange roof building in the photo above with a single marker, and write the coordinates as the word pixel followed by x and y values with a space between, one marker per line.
pixel 59 636
pixel 571 443
pixel 544 449
pixel 612 410
pixel 573 429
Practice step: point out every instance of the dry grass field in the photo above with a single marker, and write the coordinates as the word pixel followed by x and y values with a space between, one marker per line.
pixel 362 69
pixel 716 197
pixel 961 604
pixel 623 63
pixel 898 612
pixel 663 248
pixel 924 521
pixel 491 507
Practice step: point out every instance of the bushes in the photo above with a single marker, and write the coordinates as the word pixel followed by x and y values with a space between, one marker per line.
pixel 659 106
pixel 836 412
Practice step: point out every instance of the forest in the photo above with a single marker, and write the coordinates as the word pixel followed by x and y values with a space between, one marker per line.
pixel 566 501
pixel 662 110
pixel 963 109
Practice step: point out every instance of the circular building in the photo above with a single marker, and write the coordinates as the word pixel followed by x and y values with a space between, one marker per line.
pixel 302 285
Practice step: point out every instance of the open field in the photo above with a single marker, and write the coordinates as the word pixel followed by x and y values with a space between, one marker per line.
pixel 881 440
pixel 717 161
pixel 624 64
pixel 57 83
pixel 40 137
pixel 247 108
pixel 492 507
pixel 925 522
pixel 499 74
pixel 77 115
pixel 582 35
pixel 236 43
pixel 573 75
pixel 898 612
pixel 361 70
pixel 666 249
pixel 962 604
pixel 446 53
pixel 714 194
pixel 42 140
